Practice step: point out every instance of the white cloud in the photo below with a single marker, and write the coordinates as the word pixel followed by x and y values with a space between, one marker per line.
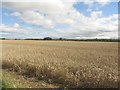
pixel 15 14
pixel 92 27
pixel 49 14
pixel 34 13
pixel 96 14
pixel 103 2
pixel 16 25
pixel 35 18
pixel 15 29
pixel 45 7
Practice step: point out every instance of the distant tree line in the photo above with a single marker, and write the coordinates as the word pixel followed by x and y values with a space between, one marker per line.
pixel 32 39
pixel 63 39
pixel 47 38
pixel 2 38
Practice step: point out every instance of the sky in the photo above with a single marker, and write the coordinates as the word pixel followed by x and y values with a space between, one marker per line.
pixel 71 19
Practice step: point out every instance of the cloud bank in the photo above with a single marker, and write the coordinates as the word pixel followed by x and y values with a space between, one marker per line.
pixel 61 19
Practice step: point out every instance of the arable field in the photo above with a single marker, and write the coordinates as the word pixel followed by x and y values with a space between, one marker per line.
pixel 68 64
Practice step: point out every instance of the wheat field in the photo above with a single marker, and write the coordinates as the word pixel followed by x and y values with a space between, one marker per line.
pixel 68 64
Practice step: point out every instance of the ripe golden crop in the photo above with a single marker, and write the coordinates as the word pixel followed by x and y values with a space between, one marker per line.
pixel 65 63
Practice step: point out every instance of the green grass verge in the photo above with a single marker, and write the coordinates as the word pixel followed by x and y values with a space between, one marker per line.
pixel 7 82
